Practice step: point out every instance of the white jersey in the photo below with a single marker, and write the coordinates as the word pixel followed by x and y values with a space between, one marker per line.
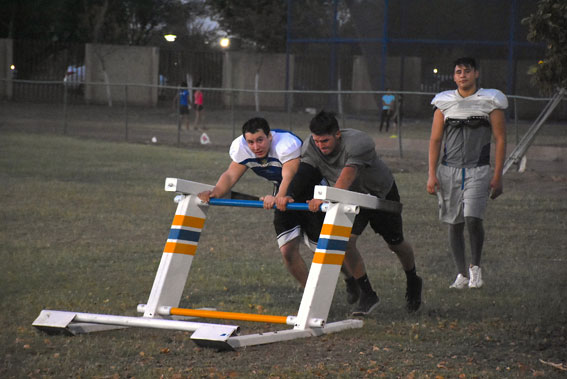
pixel 467 131
pixel 285 146
pixel 480 104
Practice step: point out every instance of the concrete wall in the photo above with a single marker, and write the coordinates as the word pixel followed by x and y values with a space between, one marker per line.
pixel 123 64
pixel 239 72
pixel 6 60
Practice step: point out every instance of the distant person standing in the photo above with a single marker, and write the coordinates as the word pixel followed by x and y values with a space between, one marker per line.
pixel 198 104
pixel 388 102
pixel 466 118
pixel 181 101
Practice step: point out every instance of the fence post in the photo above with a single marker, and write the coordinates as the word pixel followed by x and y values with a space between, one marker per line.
pixel 516 121
pixel 64 109
pixel 232 113
pixel 398 104
pixel 126 112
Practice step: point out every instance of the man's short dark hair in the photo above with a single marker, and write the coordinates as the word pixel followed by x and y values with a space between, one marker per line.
pixel 324 123
pixel 255 124
pixel 465 61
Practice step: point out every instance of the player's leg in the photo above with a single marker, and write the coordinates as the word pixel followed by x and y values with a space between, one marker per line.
pixel 354 262
pixel 475 228
pixel 294 262
pixel 457 247
pixel 451 213
pixel 475 199
pixel 288 233
pixel 390 227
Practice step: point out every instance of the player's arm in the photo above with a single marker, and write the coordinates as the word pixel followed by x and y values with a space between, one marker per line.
pixel 289 169
pixel 435 141
pixel 226 181
pixel 346 178
pixel 498 122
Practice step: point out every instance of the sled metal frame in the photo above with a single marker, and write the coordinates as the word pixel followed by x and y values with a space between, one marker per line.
pixel 162 312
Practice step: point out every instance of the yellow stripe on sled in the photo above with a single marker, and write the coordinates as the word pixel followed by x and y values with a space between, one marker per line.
pixel 336 230
pixel 188 221
pixel 328 258
pixel 179 248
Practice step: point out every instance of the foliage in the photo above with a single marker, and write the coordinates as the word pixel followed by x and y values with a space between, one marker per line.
pixel 262 24
pixel 549 25
pixel 131 22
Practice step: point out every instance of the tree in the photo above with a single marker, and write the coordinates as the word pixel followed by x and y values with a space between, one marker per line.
pixel 262 24
pixel 549 25
pixel 130 22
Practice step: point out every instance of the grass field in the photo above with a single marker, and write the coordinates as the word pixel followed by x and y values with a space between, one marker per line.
pixel 83 224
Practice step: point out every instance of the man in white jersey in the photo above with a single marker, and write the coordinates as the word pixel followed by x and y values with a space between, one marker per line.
pixel 275 156
pixel 466 118
pixel 348 160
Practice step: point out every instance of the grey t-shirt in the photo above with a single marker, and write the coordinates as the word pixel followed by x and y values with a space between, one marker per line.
pixel 355 148
pixel 467 145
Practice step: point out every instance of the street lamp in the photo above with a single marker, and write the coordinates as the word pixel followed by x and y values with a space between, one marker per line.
pixel 224 42
pixel 170 37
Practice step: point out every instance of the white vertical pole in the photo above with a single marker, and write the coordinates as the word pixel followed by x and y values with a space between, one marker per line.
pixel 256 94
pixel 326 265
pixel 177 255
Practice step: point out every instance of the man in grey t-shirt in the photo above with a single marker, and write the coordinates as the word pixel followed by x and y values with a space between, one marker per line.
pixel 348 160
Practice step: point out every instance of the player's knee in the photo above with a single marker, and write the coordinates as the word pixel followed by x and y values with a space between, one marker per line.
pixel 290 251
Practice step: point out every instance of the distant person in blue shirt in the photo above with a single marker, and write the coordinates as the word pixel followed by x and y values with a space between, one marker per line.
pixel 181 99
pixel 388 102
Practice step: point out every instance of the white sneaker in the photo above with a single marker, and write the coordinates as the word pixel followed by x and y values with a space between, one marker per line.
pixel 475 273
pixel 461 282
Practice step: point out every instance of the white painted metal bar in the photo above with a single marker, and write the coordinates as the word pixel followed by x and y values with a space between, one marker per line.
pixel 291 334
pixel 187 187
pixel 360 199
pixel 44 320
pixel 326 265
pixel 177 256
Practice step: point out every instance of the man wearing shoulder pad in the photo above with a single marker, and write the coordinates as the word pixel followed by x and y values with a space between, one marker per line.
pixel 467 119
pixel 275 156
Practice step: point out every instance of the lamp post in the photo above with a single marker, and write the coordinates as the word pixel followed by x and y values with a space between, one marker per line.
pixel 224 42
pixel 170 37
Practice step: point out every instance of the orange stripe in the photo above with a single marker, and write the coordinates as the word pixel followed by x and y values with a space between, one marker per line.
pixel 336 230
pixel 328 258
pixel 179 248
pixel 189 221
pixel 228 315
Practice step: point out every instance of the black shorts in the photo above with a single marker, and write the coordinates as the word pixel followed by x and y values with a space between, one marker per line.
pixel 388 225
pixel 292 224
pixel 198 107
pixel 183 109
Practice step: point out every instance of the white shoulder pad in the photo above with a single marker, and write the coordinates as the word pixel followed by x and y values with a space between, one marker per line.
pixel 498 98
pixel 239 150
pixel 443 99
pixel 286 145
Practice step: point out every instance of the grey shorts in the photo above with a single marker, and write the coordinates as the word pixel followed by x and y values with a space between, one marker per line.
pixel 463 192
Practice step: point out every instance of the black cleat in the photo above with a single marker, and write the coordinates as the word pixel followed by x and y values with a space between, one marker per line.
pixel 353 291
pixel 366 304
pixel 413 294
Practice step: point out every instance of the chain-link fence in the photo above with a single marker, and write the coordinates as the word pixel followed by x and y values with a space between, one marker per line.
pixel 223 117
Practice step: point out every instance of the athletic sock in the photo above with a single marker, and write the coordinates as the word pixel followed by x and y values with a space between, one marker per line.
pixel 411 274
pixel 364 284
pixel 350 280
